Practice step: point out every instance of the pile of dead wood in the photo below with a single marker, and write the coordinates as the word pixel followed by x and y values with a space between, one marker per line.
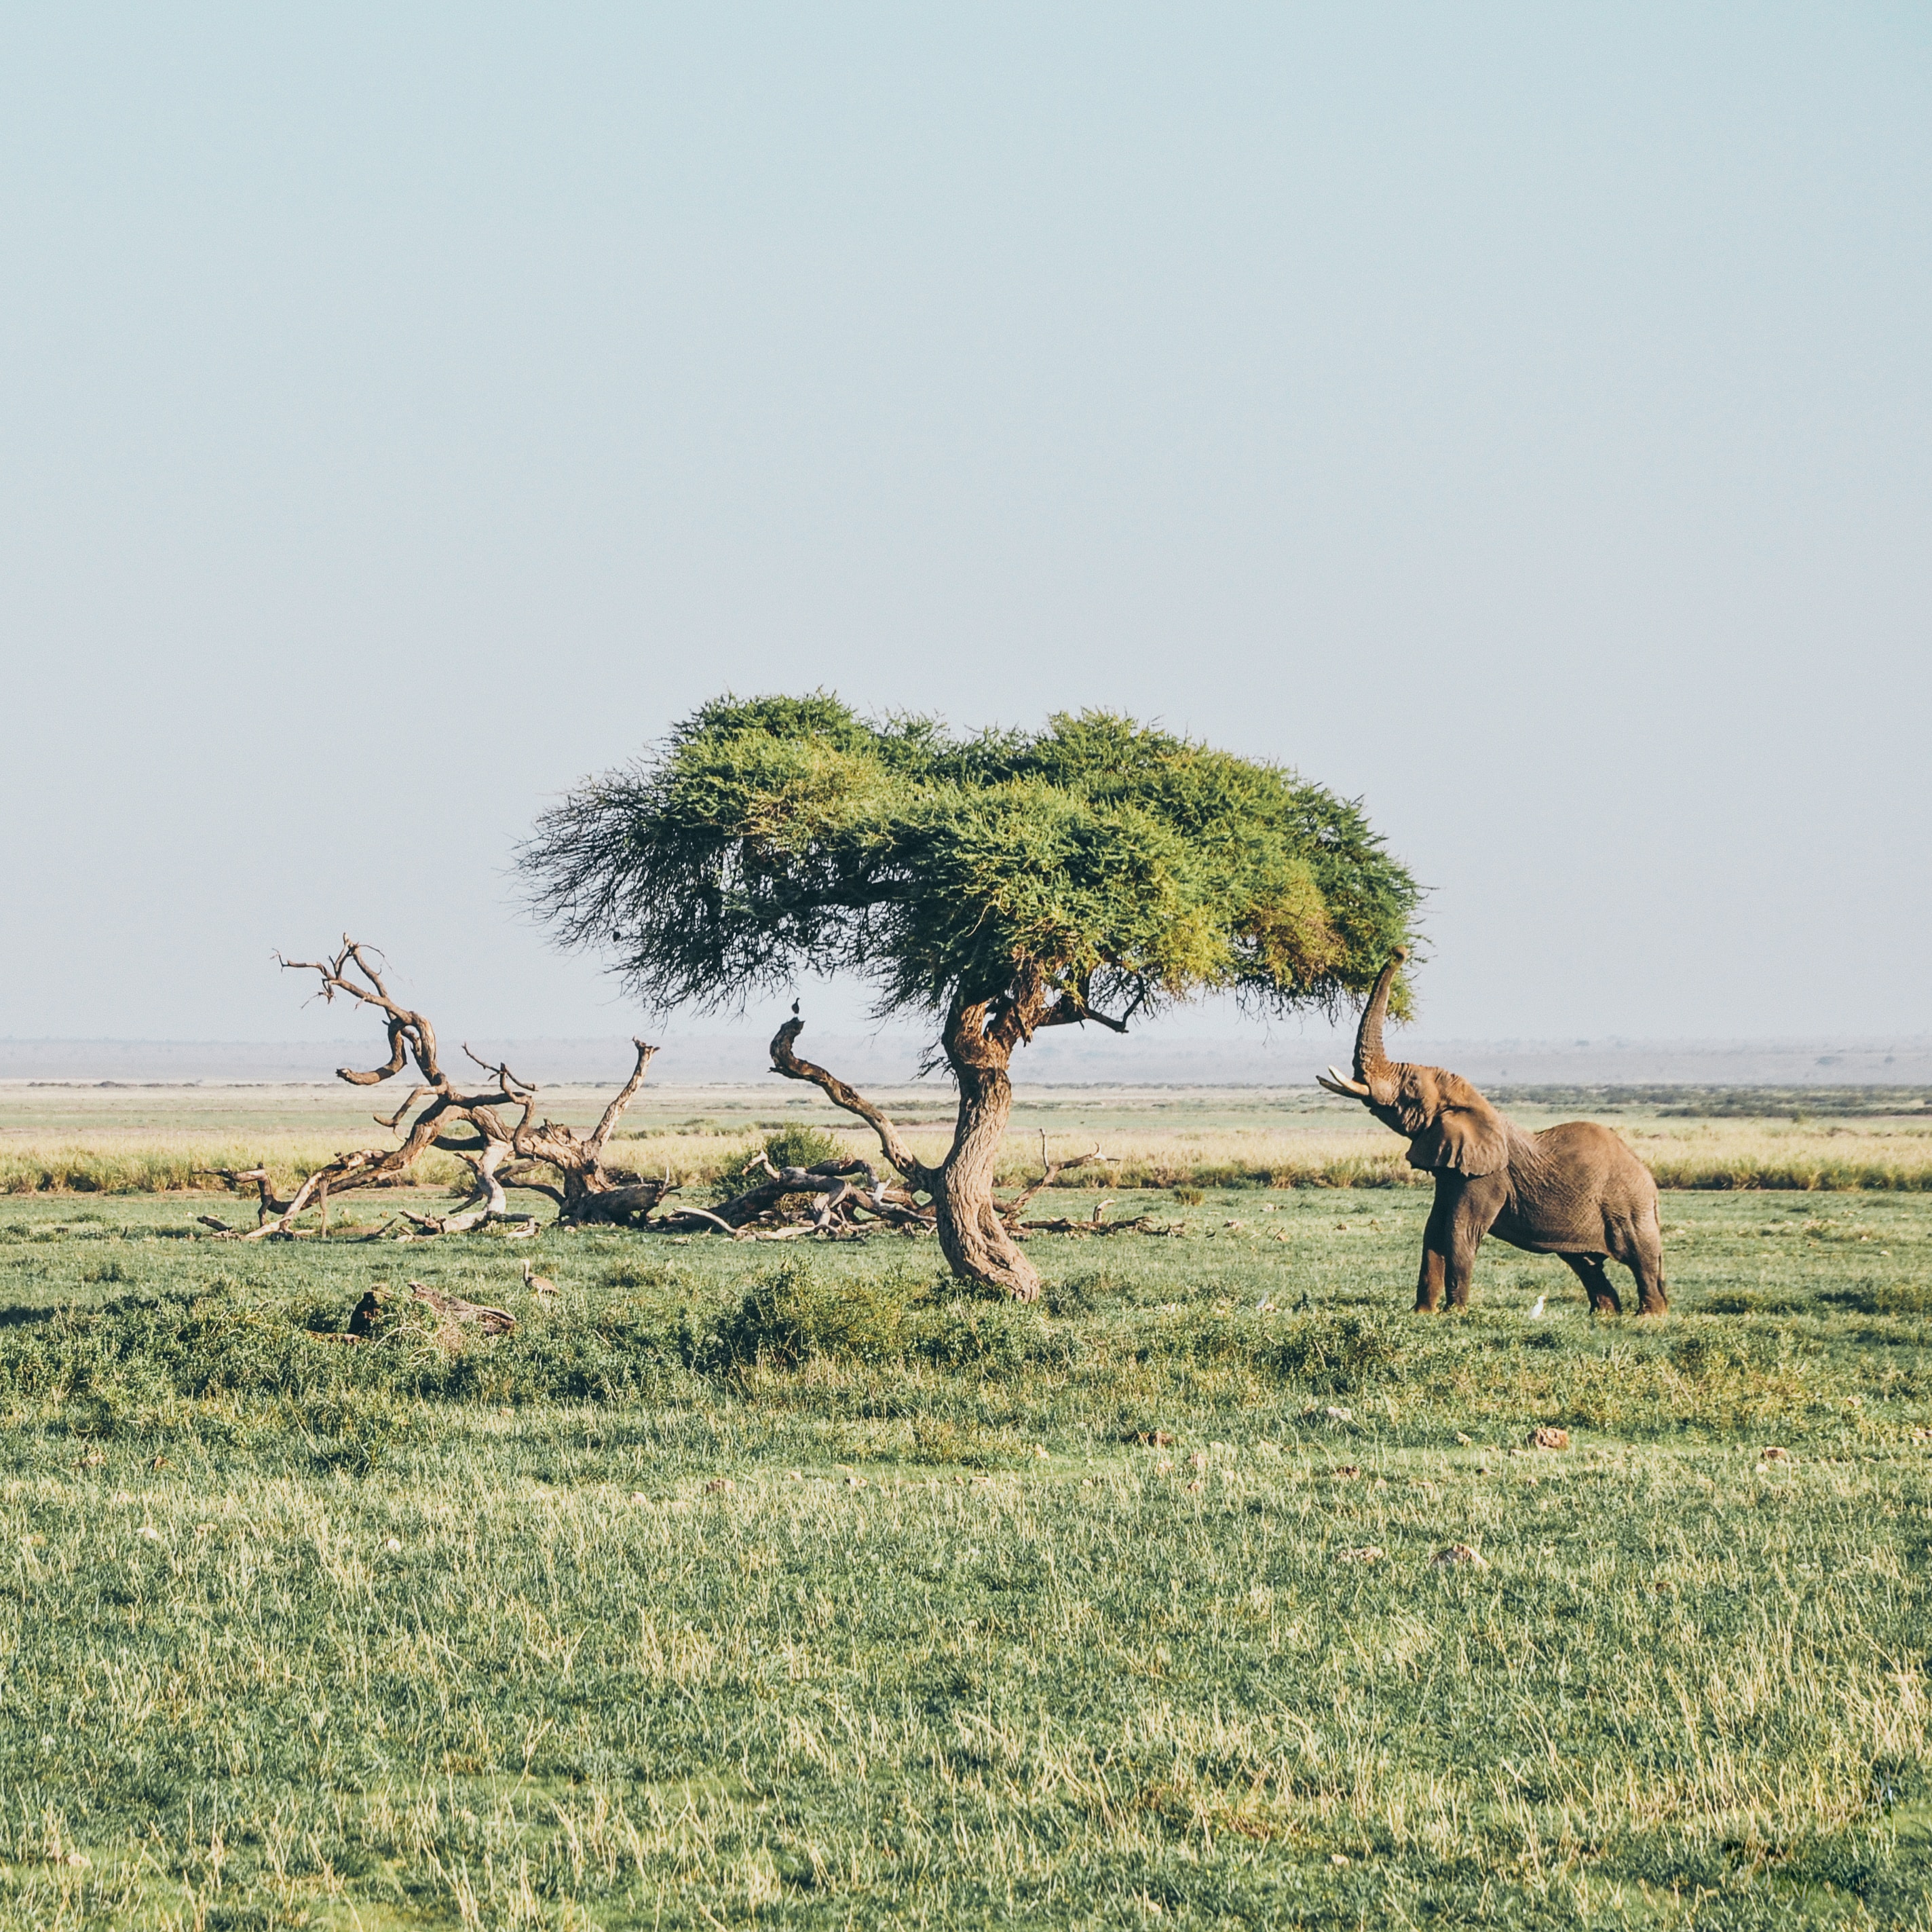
pixel 495 1131
pixel 787 1203
pixel 452 1320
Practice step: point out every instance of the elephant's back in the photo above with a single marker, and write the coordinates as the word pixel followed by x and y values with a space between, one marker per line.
pixel 1588 1147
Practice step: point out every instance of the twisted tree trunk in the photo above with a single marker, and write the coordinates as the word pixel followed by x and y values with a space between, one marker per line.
pixel 976 1241
pixel 978 1043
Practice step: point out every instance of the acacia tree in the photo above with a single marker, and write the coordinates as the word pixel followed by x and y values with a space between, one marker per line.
pixel 997 884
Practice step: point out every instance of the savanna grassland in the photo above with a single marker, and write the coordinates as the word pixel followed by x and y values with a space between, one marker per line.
pixel 787 1585
pixel 67 1137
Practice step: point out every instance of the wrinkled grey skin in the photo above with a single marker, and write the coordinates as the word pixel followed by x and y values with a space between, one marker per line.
pixel 1575 1191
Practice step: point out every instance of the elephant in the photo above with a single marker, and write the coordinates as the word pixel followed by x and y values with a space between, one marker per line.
pixel 1575 1191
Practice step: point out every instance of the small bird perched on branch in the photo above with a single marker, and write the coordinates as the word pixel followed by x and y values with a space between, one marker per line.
pixel 539 1285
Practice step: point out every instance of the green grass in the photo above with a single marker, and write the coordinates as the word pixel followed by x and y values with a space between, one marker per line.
pixel 759 1586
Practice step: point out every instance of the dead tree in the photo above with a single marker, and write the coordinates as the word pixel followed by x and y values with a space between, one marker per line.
pixel 477 1127
pixel 841 1202
pixel 271 1203
pixel 1050 1171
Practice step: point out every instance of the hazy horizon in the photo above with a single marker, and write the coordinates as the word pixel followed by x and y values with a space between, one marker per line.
pixel 1517 418
pixel 881 1061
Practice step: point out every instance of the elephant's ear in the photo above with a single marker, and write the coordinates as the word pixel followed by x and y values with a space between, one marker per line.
pixel 1469 1139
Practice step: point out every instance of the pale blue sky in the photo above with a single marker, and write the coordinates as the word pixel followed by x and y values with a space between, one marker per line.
pixel 1517 415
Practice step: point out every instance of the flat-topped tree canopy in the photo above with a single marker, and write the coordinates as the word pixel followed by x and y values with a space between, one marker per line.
pixel 1000 882
pixel 1131 867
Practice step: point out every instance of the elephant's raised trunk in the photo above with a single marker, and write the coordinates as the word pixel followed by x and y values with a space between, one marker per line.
pixel 1370 1060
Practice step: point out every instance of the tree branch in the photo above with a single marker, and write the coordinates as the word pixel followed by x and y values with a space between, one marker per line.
pixel 1010 1210
pixel 614 1112
pixel 786 1061
pixel 395 1119
pixel 1071 1010
pixel 513 1088
pixel 703 1214
pixel 404 1026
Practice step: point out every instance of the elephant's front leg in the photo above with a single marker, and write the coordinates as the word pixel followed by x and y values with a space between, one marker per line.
pixel 1465 1239
pixel 1457 1223
pixel 1429 1285
pixel 1439 1276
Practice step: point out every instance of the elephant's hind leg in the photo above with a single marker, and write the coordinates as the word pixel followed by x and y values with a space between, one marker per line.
pixel 1588 1269
pixel 1637 1241
pixel 1644 1259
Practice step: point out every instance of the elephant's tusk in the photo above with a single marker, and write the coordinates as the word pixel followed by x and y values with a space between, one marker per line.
pixel 1339 1082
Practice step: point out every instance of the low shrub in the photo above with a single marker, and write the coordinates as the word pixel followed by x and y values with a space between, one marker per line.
pixel 142 1351
pixel 977 1337
pixel 1328 1354
pixel 793 1315
pixel 1889 1298
pixel 799 1144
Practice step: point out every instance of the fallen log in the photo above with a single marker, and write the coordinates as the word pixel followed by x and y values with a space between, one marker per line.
pixel 381 1303
pixel 1140 1224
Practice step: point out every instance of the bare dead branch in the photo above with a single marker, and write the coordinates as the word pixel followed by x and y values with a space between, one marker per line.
pixel 395 1119
pixel 534 1186
pixel 405 1027
pixel 1051 1171
pixel 377 1075
pixel 513 1089
pixel 586 1190
pixel 700 1214
pixel 1140 1224
pixel 785 1060
pixel 270 1203
pixel 626 1094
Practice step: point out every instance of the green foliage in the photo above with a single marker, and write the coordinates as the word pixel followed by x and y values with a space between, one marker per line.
pixel 1126 864
pixel 794 1144
pixel 799 1314
pixel 795 1314
pixel 798 1144
pixel 1891 1298
pixel 115 1358
pixel 985 1338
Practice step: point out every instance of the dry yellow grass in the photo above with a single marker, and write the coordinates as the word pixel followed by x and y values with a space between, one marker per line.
pixel 1328 1152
